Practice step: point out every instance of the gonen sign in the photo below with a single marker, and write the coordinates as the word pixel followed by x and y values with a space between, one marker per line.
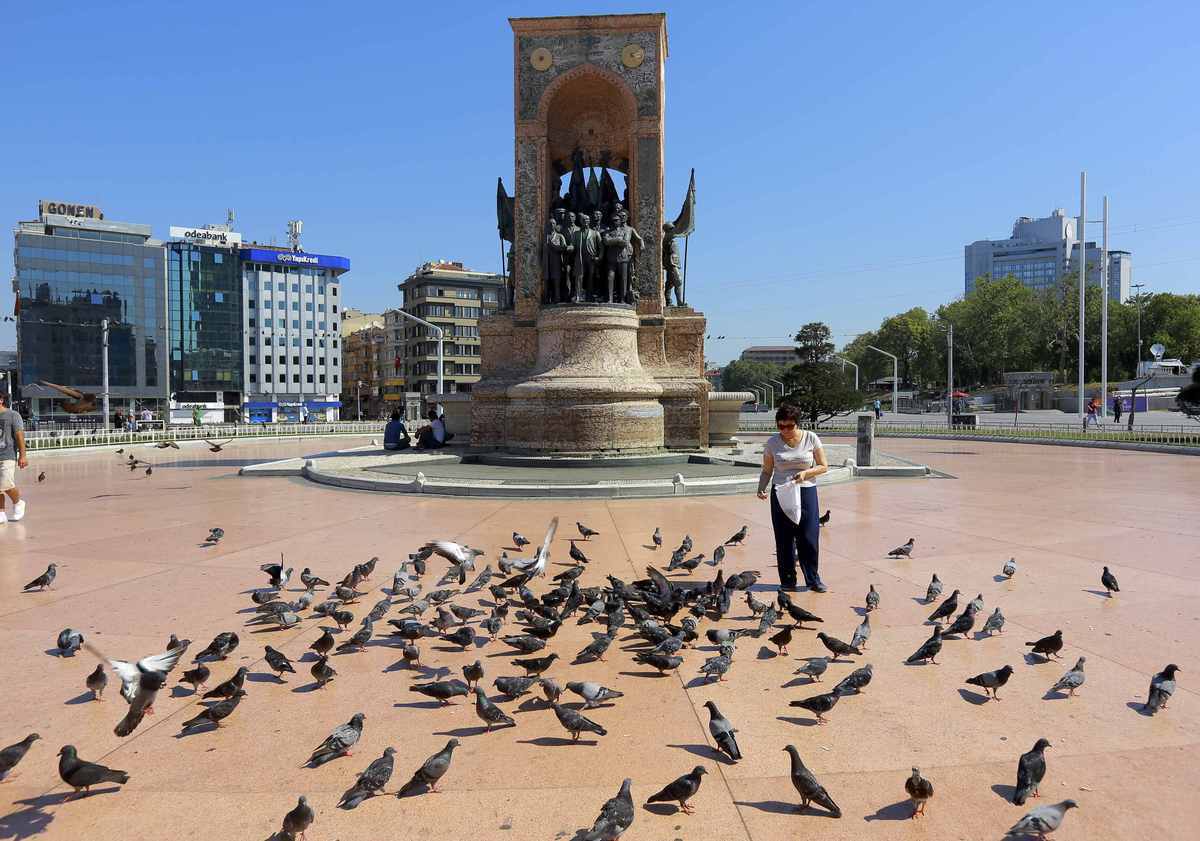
pixel 206 236
pixel 60 208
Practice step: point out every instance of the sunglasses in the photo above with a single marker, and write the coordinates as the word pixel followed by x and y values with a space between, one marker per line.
pixel 786 426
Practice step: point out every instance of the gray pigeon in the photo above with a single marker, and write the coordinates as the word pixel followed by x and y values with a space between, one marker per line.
pixel 593 694
pixel 963 623
pixel 97 680
pixel 432 770
pixel 837 647
pixel 322 672
pixel 872 599
pixel 574 722
pixel 723 732
pixel 1042 820
pixel 79 774
pixel 616 815
pixel 681 790
pixel 756 607
pixel 339 742
pixel 809 789
pixel 226 688
pixel 278 662
pixel 656 538
pixel 862 633
pixel 297 821
pixel 903 551
pixel 818 704
pixel 1031 768
pixel 946 609
pixel 920 790
pixel 551 689
pixel 929 649
pixel 990 682
pixel 856 681
pixel 44 580
pixel 1162 687
pixel 934 589
pixel 1010 568
pixel 371 781
pixel 13 754
pixel 814 668
pixel 217 712
pixel 720 665
pixel 514 687
pixel 994 623
pixel 1072 680
pixel 488 712
pixel 442 690
pixel 69 641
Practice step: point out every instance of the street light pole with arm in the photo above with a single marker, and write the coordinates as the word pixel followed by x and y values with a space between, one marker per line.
pixel 895 372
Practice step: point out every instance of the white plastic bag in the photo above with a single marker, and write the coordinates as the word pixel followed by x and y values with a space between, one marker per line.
pixel 788 495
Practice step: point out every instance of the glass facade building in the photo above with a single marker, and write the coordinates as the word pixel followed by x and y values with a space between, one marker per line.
pixel 71 273
pixel 204 313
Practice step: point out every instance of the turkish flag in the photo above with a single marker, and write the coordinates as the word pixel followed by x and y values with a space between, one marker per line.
pixel 396 365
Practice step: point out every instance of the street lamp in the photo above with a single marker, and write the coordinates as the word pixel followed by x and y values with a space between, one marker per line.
pixel 760 395
pixel 358 398
pixel 440 334
pixel 1137 371
pixel 770 398
pixel 895 372
pixel 782 387
pixel 846 362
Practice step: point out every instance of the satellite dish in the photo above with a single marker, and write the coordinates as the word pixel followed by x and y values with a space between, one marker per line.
pixel 1158 350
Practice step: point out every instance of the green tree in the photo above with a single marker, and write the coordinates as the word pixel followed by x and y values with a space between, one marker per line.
pixel 741 374
pixel 911 337
pixel 1188 398
pixel 817 386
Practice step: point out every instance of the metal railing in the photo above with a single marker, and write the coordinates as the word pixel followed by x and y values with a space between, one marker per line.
pixel 66 439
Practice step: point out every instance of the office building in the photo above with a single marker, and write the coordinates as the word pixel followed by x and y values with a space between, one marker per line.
pixel 774 354
pixel 1040 252
pixel 361 373
pixel 204 320
pixel 74 269
pixel 292 333
pixel 454 298
pixel 354 320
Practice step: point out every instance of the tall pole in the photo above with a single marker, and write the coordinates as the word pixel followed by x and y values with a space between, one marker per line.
pixel 685 250
pixel 855 367
pixel 440 333
pixel 1137 369
pixel 895 372
pixel 1104 317
pixel 104 369
pixel 950 375
pixel 1082 235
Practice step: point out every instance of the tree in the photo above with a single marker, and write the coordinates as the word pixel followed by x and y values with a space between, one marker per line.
pixel 910 336
pixel 1188 399
pixel 741 374
pixel 817 386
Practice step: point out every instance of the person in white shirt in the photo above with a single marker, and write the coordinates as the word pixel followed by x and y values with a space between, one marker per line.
pixel 792 460
pixel 433 436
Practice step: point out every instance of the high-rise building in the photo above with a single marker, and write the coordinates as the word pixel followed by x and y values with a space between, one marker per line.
pixel 74 269
pixel 204 319
pixel 292 332
pixel 361 373
pixel 774 354
pixel 454 298
pixel 1040 252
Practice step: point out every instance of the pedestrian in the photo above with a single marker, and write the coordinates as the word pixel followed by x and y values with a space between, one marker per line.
pixel 1117 406
pixel 197 416
pixel 878 410
pixel 792 459
pixel 434 436
pixel 12 456
pixel 395 434
pixel 1090 416
pixel 119 420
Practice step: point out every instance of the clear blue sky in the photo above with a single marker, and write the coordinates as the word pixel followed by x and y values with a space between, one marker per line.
pixel 844 154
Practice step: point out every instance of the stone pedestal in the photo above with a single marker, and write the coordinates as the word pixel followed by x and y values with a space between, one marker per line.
pixel 866 439
pixel 724 410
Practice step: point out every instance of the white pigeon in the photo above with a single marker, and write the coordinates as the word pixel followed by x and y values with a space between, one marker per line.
pixel 131 673
pixel 455 553
pixel 536 566
pixel 1010 568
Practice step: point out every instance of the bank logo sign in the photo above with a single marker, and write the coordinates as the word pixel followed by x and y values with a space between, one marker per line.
pixel 206 236
pixel 294 258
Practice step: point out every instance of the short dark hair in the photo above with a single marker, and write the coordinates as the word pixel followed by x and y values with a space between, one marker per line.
pixel 433 415
pixel 395 414
pixel 787 412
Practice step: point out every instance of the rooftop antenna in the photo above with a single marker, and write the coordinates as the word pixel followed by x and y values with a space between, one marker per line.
pixel 295 226
pixel 230 218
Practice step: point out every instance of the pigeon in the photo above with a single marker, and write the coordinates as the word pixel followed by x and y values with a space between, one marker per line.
pixel 42 477
pixel 380 610
pixel 929 649
pixel 1031 767
pixel 1110 582
pixel 42 581
pixel 359 639
pixel 718 555
pixel 441 690
pixel 339 742
pixel 575 722
pixel 370 782
pixel 656 538
pixel 197 677
pixel 945 610
pixel 723 732
pixel 1048 646
pixel 527 643
pixel 719 665
pixel 217 712
pixel 277 575
pixel 131 673
pixel 576 553
pixel 491 625
pixel 586 532
pixel 1010 568
pixel 214 536
pixel 1072 680
pixel 324 643
pixel 488 712
pixel 738 537
pixel 800 615
pixel 432 770
pixel 934 589
pixel 594 650
pixel 862 633
pixel 480 581
pixel 1042 820
pixel 976 603
pixel 995 622
pixel 13 754
pixel 534 666
pixel 297 821
pixel 150 470
pixel 823 520
pixel 322 672
pixel 79 774
pixel 872 599
pixel 455 553
pixel 1162 687
pixel 227 688
pixel 756 607
pixel 263 598
pixel 742 580
pixel 593 694
pixel 663 662
pixel 463 637
pixel 514 687
pixel 311 581
pixel 412 655
pixel 96 681
pixel 342 618
pixel 814 668
pixel 616 815
pixel 221 647
pixel 856 681
pixel 920 790
pixel 473 672
pixel 963 623
pixel 837 647
pixel 278 662
pixel 903 551
pixel 780 639
pixel 809 789
pixel 164 445
pixel 520 541
pixel 217 446
pixel 990 682
pixel 69 641
pixel 818 704
pixel 347 595
pixel 681 790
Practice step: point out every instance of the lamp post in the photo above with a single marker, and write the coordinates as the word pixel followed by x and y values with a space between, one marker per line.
pixel 1137 369
pixel 782 387
pixel 846 362
pixel 440 334
pixel 358 398
pixel 760 394
pixel 104 370
pixel 770 392
pixel 895 372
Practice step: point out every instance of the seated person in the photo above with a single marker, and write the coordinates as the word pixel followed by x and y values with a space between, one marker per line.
pixel 395 434
pixel 435 435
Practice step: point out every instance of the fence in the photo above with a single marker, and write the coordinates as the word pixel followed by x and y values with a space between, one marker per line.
pixel 58 440
pixel 1161 434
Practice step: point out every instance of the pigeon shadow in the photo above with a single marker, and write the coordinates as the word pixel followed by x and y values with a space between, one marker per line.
pixel 449 649
pixel 1139 707
pixel 700 680
pixel 178 691
pixel 901 810
pixel 196 730
pixel 705 752
pixel 1035 659
pixel 419 705
pixel 463 731
pixel 662 808
pixel 1102 593
pixel 803 722
pixel 999 579
pixel 800 680
pixel 312 686
pixel 776 807
pixel 921 600
pixel 1004 792
pixel 26 823
pixel 533 703
pixel 81 698
pixel 264 677
pixel 556 742
pixel 765 653
pixel 973 697
pixel 56 652
pixel 859 610
pixel 1055 695
pixel 272 629
pixel 643 674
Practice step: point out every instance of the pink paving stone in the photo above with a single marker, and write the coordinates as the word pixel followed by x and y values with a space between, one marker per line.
pixel 132 571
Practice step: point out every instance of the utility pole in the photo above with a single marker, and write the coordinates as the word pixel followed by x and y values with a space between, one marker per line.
pixel 846 362
pixel 104 370
pixel 895 372
pixel 950 375
pixel 1082 236
pixel 1137 370
pixel 1104 317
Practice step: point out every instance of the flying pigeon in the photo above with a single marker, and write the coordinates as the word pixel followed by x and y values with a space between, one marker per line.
pixel 723 732
pixel 1042 820
pixel 1072 680
pixel 1031 768
pixel 131 673
pixel 809 789
pixel 903 551
pixel 339 742
pixel 217 446
pixel 681 790
pixel 432 770
pixel 920 790
pixel 79 774
pixel 992 681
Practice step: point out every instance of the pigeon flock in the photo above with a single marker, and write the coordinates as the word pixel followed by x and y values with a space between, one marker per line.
pixel 444 597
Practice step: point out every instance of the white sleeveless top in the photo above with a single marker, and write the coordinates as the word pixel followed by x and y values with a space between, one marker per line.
pixel 791 460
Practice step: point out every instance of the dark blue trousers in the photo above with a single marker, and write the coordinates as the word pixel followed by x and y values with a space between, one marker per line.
pixel 797 543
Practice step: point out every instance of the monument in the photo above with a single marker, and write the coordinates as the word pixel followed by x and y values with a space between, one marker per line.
pixel 588 357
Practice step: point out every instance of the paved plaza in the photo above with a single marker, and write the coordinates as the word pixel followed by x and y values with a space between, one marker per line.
pixel 133 569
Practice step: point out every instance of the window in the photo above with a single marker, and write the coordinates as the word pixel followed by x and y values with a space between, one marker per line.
pixel 321 362
pixel 308 360
pixel 335 378
pixel 281 286
pixel 334 326
pixel 252 323
pixel 253 340
pixel 282 359
pixel 295 324
pixel 308 306
pixel 320 325
pixel 219 297
pixel 322 378
pixel 251 303
pixel 266 305
pixel 295 360
pixel 218 258
pixel 253 359
pixel 283 378
pixel 320 343
pixel 308 342
pixel 335 341
pixel 308 324
pixel 267 341
pixel 335 308
pixel 282 322
pixel 308 288
pixel 295 287
pixel 295 341
pixel 335 362
pixel 296 306
pixel 309 379
pixel 295 378
pixel 334 288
